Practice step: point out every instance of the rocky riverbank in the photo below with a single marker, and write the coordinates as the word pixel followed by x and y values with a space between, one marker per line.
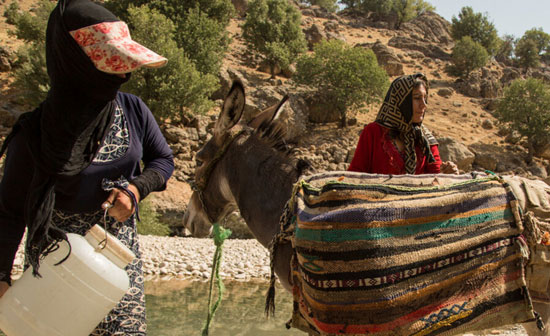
pixel 184 258
pixel 191 258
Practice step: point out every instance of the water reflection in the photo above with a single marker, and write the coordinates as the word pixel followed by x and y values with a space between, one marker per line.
pixel 179 307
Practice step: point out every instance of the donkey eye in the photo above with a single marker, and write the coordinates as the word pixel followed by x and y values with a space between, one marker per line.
pixel 198 162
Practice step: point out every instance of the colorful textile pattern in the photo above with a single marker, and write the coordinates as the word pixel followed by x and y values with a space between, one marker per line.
pixel 406 254
pixel 112 50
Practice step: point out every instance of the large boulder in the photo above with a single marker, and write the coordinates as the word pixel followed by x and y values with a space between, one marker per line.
pixel 320 112
pixel 171 204
pixel 428 49
pixel 430 27
pixel 386 58
pixel 7 59
pixel 314 35
pixel 452 150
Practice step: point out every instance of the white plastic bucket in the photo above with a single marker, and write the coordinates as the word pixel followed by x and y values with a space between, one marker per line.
pixel 71 298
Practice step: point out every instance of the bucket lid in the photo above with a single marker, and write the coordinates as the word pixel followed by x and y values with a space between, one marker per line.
pixel 112 245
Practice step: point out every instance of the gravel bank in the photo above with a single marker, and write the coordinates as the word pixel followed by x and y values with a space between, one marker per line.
pixel 242 259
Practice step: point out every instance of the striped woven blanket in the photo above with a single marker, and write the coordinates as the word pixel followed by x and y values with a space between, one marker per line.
pixel 406 255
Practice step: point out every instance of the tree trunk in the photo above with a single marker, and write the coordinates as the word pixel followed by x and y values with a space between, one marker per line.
pixel 343 119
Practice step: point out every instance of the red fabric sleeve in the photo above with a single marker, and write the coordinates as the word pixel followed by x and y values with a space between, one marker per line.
pixel 434 167
pixel 362 155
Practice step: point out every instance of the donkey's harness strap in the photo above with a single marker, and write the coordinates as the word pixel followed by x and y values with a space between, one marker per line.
pixel 201 183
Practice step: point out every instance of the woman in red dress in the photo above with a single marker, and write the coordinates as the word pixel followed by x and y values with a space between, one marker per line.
pixel 397 142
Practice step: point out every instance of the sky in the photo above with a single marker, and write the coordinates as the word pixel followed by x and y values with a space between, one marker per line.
pixel 510 17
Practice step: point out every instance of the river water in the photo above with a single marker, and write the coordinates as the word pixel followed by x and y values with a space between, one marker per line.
pixel 179 307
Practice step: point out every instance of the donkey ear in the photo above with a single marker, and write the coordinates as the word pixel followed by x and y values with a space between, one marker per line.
pixel 232 109
pixel 269 114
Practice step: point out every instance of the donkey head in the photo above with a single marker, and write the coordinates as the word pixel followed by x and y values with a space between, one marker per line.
pixel 213 198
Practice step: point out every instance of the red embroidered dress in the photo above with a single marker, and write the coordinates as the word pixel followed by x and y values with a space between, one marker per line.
pixel 376 153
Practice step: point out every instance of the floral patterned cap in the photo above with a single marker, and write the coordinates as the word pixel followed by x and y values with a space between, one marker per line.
pixel 112 50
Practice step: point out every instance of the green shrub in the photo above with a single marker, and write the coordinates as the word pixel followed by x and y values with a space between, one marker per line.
pixel 407 10
pixel 404 10
pixel 178 87
pixel 542 39
pixel 527 53
pixel 344 77
pixel 382 7
pixel 506 49
pixel 204 39
pixel 200 27
pixel 526 107
pixel 31 76
pixel 272 28
pixel 352 4
pixel 11 13
pixel 329 5
pixel 533 45
pixel 150 223
pixel 477 26
pixel 468 55
pixel 219 10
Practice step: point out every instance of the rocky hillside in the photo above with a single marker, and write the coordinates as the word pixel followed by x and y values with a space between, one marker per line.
pixel 459 112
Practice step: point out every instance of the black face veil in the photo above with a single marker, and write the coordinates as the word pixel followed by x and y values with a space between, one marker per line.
pixel 65 132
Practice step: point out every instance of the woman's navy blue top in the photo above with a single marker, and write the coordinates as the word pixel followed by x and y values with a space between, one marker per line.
pixel 81 193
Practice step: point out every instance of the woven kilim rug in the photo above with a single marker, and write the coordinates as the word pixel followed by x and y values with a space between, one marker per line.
pixel 406 255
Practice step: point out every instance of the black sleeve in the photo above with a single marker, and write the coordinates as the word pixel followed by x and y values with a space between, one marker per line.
pixel 150 180
pixel 14 187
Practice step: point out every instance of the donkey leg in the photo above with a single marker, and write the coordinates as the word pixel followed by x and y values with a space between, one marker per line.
pixel 544 310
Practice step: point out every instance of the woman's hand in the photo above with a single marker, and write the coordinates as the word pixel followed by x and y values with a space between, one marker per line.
pixel 3 288
pixel 449 167
pixel 121 204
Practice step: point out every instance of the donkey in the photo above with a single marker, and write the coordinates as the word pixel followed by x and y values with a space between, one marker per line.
pixel 249 167
pixel 220 188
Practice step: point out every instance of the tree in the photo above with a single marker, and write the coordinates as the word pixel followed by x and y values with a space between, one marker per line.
pixel 526 106
pixel 477 26
pixel 219 10
pixel 272 28
pixel 200 26
pixel 178 87
pixel 382 7
pixel 531 47
pixel 350 3
pixel 541 39
pixel 403 10
pixel 205 40
pixel 329 5
pixel 527 53
pixel 344 77
pixel 31 75
pixel 407 10
pixel 468 55
pixel 506 49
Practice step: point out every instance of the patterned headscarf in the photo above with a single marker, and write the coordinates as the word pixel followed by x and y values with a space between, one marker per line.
pixel 396 114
